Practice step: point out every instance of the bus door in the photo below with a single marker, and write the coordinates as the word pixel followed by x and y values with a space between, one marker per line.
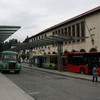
pixel 64 62
pixel 99 64
pixel 53 61
pixel 40 61
pixel 93 59
pixel 45 61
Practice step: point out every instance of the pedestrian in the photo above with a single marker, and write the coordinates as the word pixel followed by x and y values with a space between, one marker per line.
pixel 95 73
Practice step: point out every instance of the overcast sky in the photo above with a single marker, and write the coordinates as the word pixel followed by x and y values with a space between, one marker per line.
pixel 35 16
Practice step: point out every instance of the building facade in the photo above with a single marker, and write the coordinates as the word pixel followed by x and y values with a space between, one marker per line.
pixel 86 24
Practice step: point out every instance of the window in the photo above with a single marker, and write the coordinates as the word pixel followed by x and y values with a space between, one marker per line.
pixel 83 30
pixel 44 59
pixel 65 30
pixel 9 57
pixel 53 59
pixel 76 59
pixel 69 32
pixel 61 31
pixel 64 61
pixel 73 31
pixel 58 31
pixel 78 31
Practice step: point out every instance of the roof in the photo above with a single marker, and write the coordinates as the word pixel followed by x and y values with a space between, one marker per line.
pixel 57 38
pixel 69 20
pixel 17 44
pixel 9 52
pixel 6 31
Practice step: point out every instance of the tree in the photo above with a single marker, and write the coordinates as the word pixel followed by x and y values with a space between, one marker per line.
pixel 1 47
pixel 7 45
pixel 27 55
pixel 23 55
pixel 26 40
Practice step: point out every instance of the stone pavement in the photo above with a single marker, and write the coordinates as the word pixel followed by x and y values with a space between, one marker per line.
pixel 10 91
pixel 64 73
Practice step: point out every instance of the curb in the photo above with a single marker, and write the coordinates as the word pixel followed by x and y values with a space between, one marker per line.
pixel 68 74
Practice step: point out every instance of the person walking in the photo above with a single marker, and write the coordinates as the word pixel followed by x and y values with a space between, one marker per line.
pixel 95 73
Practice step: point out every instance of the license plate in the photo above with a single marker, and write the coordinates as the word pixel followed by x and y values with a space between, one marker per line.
pixel 12 71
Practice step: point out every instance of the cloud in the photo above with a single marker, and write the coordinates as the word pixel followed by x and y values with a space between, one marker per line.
pixel 36 15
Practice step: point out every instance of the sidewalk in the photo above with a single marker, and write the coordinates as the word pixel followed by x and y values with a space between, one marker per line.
pixel 64 73
pixel 10 91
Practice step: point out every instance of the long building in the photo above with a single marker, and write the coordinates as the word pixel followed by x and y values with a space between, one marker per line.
pixel 86 24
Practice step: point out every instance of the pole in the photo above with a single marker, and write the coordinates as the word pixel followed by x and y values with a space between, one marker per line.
pixel 60 51
pixel 30 57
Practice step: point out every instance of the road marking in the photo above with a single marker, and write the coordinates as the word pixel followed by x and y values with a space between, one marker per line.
pixel 34 93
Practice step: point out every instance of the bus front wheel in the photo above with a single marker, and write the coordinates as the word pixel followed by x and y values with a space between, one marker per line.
pixel 82 71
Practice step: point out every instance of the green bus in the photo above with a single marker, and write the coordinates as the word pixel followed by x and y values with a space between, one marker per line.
pixel 9 62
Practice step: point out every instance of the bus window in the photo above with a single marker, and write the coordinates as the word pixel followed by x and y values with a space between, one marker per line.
pixel 99 61
pixel 93 59
pixel 76 59
pixel 44 59
pixel 53 59
pixel 64 61
pixel 36 60
pixel 70 59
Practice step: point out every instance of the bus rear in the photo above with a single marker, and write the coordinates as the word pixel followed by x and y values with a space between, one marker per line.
pixel 50 61
pixel 82 62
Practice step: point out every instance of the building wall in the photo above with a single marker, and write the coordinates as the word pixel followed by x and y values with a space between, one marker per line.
pixel 91 23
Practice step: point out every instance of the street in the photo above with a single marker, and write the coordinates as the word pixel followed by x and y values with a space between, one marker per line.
pixel 45 86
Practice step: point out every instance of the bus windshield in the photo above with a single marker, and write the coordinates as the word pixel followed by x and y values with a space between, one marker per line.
pixel 9 57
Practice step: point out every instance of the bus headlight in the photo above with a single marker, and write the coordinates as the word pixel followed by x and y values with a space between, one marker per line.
pixel 18 66
pixel 4 65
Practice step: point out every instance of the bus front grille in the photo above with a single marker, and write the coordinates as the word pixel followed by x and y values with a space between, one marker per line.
pixel 12 65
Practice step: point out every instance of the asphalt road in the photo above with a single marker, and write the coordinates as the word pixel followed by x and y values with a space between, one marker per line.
pixel 46 86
